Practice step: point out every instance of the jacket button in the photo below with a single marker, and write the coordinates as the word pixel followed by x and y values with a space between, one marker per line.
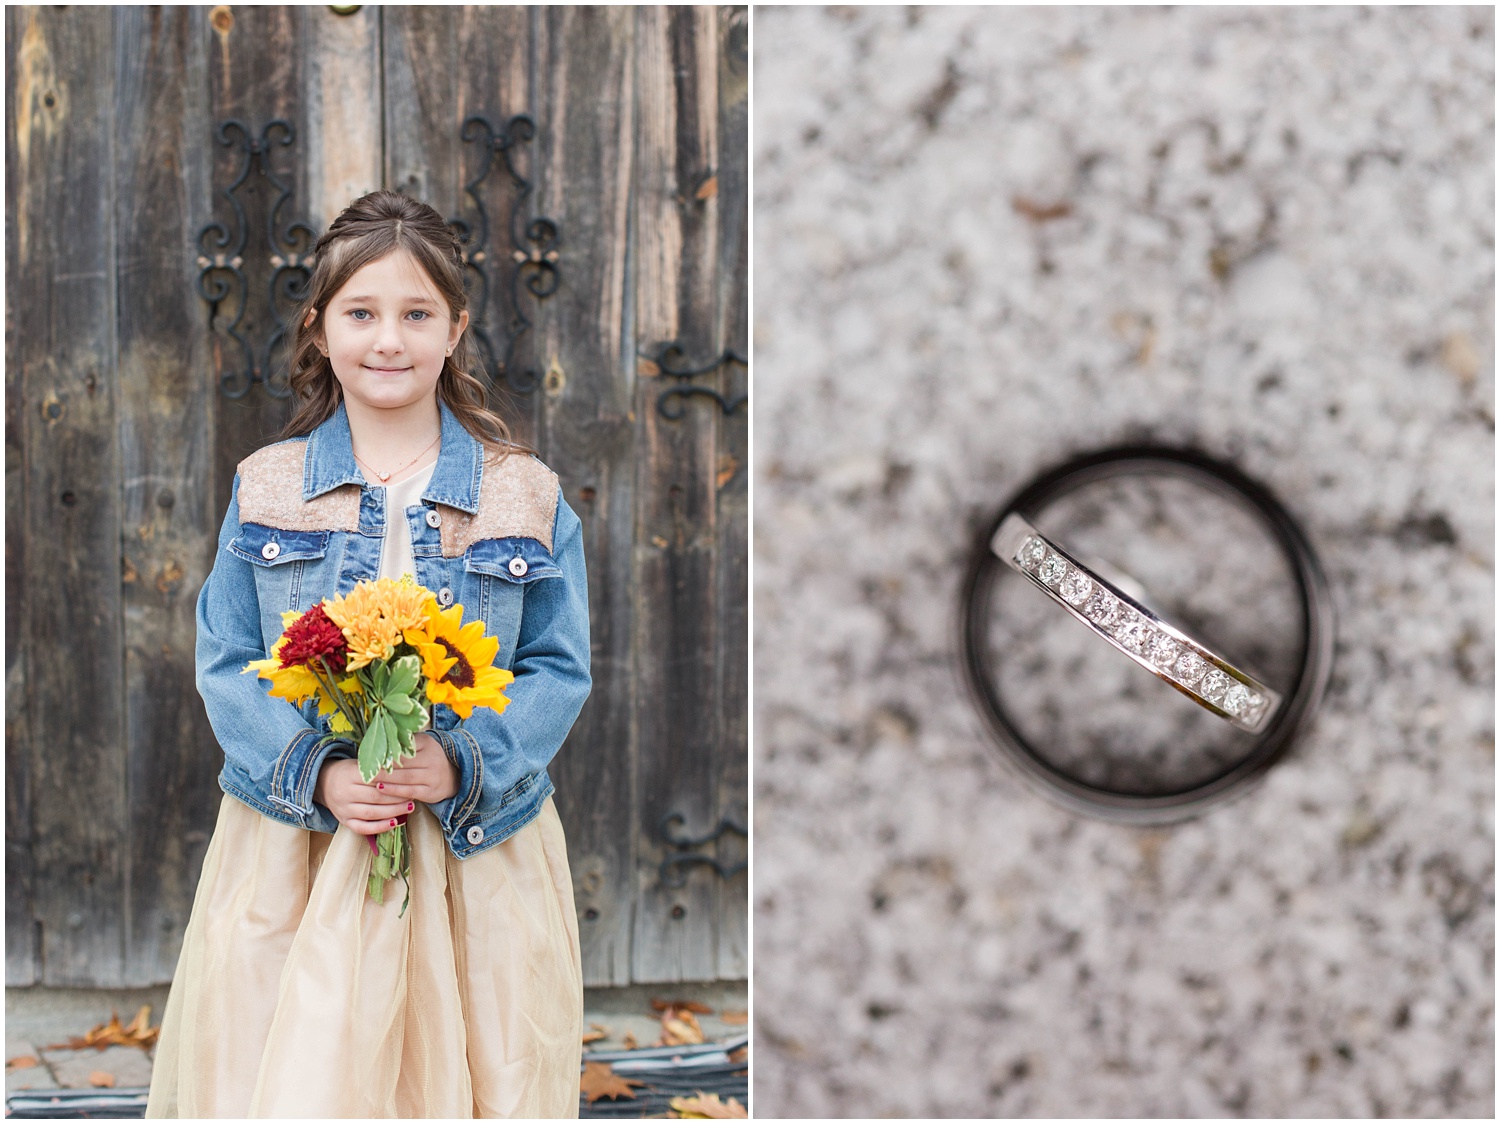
pixel 518 567
pixel 270 550
pixel 433 518
pixel 445 597
pixel 475 834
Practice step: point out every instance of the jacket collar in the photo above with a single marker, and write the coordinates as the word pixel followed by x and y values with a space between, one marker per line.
pixel 330 463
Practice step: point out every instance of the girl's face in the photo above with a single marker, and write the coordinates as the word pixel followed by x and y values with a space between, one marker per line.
pixel 387 332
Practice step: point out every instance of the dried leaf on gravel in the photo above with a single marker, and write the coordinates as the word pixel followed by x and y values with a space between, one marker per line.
pixel 25 1061
pixel 629 1042
pixel 598 1034
pixel 681 1005
pixel 707 1106
pixel 101 1080
pixel 740 1055
pixel 735 1018
pixel 138 1033
pixel 600 1080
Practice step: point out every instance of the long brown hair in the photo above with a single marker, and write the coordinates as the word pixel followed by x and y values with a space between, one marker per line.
pixel 371 227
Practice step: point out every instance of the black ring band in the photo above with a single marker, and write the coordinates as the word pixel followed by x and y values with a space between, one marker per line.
pixel 1302 698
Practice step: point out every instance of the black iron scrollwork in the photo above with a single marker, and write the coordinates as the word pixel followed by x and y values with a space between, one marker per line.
pixel 672 873
pixel 534 243
pixel 222 265
pixel 670 361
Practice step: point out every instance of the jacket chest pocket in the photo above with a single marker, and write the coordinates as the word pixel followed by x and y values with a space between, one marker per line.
pixel 280 561
pixel 499 571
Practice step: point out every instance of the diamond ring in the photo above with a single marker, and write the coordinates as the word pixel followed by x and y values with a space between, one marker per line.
pixel 1164 650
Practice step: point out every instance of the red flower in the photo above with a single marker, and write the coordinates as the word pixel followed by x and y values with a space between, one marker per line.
pixel 313 635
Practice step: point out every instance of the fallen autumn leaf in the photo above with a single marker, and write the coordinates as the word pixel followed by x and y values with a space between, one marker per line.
pixel 707 1106
pixel 600 1080
pixel 680 1028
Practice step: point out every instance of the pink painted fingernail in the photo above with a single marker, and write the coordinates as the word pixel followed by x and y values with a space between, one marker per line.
pixel 410 806
pixel 380 785
pixel 393 823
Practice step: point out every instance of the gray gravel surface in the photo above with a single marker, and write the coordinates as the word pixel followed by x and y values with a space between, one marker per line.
pixel 988 239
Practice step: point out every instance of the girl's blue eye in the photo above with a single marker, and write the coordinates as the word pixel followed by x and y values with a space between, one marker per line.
pixel 360 313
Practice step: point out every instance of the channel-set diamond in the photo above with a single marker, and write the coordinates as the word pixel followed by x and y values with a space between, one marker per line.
pixel 1102 608
pixel 1240 701
pixel 1136 635
pixel 1032 551
pixel 1190 667
pixel 1214 685
pixel 1076 588
pixel 1052 570
pixel 1164 651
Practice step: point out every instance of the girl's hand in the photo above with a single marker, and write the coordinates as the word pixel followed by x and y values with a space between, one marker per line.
pixel 360 807
pixel 428 777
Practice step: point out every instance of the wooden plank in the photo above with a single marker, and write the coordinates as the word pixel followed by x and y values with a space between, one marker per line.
pixel 165 406
pixel 60 333
pixel 677 610
pixel 495 61
pixel 342 107
pixel 256 76
pixel 585 114
pixel 22 962
pixel 732 484
pixel 421 103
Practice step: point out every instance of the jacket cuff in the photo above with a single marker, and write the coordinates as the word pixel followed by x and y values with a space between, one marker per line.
pixel 296 775
pixel 463 751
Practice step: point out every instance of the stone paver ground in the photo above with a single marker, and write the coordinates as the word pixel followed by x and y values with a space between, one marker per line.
pixel 36 1018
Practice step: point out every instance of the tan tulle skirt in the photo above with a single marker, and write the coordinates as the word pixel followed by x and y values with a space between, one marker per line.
pixel 298 996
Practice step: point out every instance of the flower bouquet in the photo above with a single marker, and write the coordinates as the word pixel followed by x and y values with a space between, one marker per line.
pixel 376 659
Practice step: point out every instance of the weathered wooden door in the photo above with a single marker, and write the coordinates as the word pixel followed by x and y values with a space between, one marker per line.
pixel 141 368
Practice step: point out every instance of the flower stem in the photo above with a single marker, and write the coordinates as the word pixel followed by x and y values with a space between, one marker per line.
pixel 328 680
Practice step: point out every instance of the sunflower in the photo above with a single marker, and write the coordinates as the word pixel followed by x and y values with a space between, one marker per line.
pixel 458 661
pixel 298 683
pixel 291 683
pixel 374 614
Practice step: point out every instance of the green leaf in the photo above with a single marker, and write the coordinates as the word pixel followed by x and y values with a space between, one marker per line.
pixel 372 749
pixel 400 704
pixel 404 675
pixel 393 739
pixel 410 723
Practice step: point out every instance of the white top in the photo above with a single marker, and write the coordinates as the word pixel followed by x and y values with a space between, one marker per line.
pixel 395 555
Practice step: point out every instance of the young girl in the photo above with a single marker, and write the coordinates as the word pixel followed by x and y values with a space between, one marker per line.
pixel 296 994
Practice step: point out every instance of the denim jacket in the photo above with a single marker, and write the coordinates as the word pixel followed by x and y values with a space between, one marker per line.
pixel 303 525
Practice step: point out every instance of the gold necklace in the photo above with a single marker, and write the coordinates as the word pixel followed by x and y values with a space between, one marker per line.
pixel 384 476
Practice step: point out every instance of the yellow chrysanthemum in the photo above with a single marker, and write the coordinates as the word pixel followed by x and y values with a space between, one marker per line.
pixel 374 615
pixel 458 660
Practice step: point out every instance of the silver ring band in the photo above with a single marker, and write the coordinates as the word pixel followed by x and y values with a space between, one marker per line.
pixel 1159 647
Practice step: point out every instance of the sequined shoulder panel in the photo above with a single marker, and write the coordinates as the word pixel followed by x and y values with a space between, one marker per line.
pixel 517 500
pixel 271 493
